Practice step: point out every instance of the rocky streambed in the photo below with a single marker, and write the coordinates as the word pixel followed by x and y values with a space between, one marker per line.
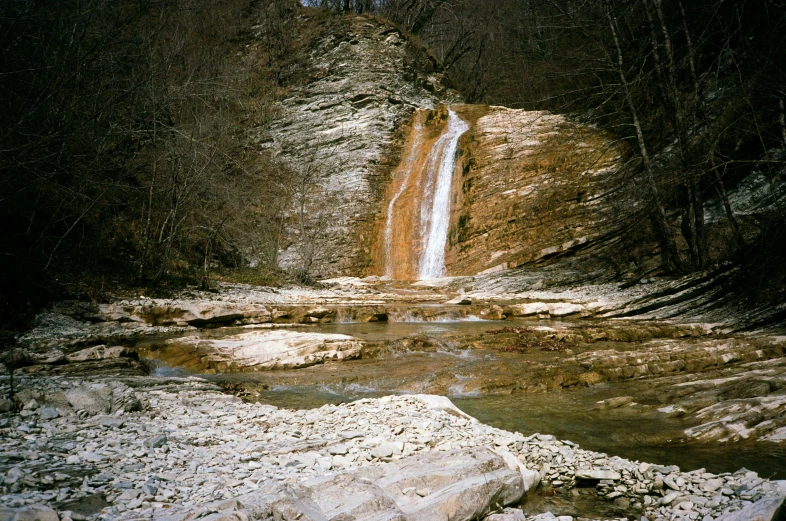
pixel 97 436
pixel 179 449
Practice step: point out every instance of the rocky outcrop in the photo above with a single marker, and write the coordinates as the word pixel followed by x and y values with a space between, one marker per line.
pixel 66 332
pixel 83 399
pixel 770 509
pixel 704 297
pixel 197 313
pixel 534 187
pixel 461 485
pixel 669 356
pixel 546 292
pixel 258 351
pixel 338 131
pixel 739 419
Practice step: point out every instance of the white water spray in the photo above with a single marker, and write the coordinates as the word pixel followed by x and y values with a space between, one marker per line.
pixel 409 164
pixel 435 206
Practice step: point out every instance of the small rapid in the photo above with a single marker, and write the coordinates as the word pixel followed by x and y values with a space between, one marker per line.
pixel 435 205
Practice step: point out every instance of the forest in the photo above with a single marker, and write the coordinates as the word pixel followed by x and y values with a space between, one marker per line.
pixel 125 156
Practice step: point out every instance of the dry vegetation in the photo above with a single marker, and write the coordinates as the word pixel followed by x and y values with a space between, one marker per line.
pixel 124 141
pixel 124 154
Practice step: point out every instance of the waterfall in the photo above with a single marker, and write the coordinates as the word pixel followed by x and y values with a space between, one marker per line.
pixel 409 167
pixel 435 205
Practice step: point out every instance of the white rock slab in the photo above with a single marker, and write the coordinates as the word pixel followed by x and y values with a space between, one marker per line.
pixel 262 350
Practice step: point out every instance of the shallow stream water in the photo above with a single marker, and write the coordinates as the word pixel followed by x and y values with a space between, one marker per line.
pixel 570 415
pixel 636 433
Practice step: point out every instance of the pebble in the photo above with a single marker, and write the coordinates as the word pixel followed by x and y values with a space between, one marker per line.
pixel 190 445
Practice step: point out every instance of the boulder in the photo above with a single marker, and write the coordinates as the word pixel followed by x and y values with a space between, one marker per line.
pixel 264 350
pixel 93 400
pixel 766 509
pixel 460 486
pixel 48 413
pixel 563 309
pixel 597 474
pixel 387 449
pixel 109 421
pixel 28 513
pixel 156 441
pixel 96 353
pixel 615 402
pixel 441 403
pixel 528 309
pixel 509 514
pixel 530 478
pixel 345 496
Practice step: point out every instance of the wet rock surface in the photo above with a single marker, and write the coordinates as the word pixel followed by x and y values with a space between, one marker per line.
pixel 175 448
pixel 259 350
pixel 364 81
pixel 729 386
pixel 723 388
pixel 726 387
pixel 546 293
pixel 535 187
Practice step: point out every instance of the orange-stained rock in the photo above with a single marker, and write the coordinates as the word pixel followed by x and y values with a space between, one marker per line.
pixel 529 187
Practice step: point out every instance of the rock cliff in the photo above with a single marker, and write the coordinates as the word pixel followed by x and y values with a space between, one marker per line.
pixel 529 187
pixel 531 190
pixel 534 186
pixel 340 132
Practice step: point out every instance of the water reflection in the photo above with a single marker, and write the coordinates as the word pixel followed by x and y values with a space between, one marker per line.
pixel 451 367
pixel 571 417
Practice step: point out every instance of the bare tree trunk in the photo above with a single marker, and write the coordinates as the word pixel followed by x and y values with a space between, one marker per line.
pixel 735 228
pixel 696 205
pixel 668 246
pixel 702 114
pixel 205 283
pixel 691 53
pixel 782 120
pixel 149 219
pixel 693 231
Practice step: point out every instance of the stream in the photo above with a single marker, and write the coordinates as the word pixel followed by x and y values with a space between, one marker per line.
pixel 443 357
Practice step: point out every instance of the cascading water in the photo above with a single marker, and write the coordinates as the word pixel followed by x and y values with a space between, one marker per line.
pixel 409 167
pixel 435 205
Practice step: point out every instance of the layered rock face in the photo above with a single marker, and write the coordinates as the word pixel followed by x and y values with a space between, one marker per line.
pixel 401 237
pixel 339 133
pixel 534 187
pixel 531 190
pixel 529 187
